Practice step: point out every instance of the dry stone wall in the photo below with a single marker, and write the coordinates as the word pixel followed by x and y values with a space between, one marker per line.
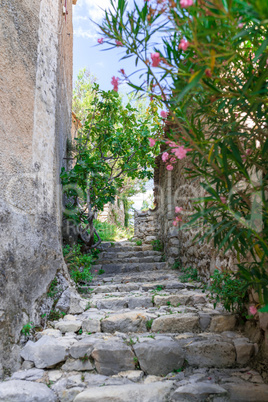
pixel 172 188
pixel 146 226
pixel 113 213
pixel 35 110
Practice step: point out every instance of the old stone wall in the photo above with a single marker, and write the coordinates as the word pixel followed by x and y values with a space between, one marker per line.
pixel 146 226
pixel 35 121
pixel 113 213
pixel 173 188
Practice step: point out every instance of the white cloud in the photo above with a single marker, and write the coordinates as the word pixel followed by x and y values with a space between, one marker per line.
pixel 83 33
pixel 94 9
pixel 86 11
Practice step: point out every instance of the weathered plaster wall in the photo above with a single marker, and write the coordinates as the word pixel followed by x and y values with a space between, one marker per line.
pixel 35 120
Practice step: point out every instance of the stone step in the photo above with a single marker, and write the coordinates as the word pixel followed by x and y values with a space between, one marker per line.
pixel 124 268
pixel 167 285
pixel 157 298
pixel 154 354
pixel 136 277
pixel 131 260
pixel 139 254
pixel 125 249
pixel 189 384
pixel 137 314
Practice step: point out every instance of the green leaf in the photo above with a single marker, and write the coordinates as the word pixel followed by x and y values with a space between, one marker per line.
pixel 191 84
pixel 260 50
pixel 264 309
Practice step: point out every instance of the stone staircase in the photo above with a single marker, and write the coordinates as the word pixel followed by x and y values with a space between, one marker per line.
pixel 144 337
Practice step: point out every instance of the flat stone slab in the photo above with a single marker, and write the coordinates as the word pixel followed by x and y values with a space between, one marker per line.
pixel 210 353
pixel 176 323
pixel 156 392
pixel 173 300
pixel 221 323
pixel 78 365
pixel 28 375
pixel 125 322
pixel 197 392
pixel 68 324
pixel 46 352
pixel 25 391
pixel 112 356
pixel 247 392
pixel 111 303
pixel 138 302
pixel 159 356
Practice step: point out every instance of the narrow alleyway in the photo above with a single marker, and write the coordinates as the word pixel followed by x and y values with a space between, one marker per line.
pixel 144 337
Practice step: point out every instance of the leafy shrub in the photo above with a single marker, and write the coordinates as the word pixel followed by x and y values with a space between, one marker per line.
pixel 149 324
pixel 189 274
pixel 79 264
pixel 230 290
pixel 53 290
pixel 176 265
pixel 26 329
pixel 111 232
pixel 157 245
pixel 55 315
pixel 139 242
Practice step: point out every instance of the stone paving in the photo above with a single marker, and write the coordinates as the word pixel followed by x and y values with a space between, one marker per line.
pixel 141 335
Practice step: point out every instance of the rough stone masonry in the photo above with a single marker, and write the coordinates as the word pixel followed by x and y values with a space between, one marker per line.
pixel 35 109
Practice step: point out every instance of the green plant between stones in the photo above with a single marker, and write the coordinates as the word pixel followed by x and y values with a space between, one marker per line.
pixel 149 324
pixel 27 328
pixel 230 290
pixel 157 245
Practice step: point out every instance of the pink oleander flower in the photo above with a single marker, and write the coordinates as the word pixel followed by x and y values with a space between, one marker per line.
pixel 173 160
pixel 155 59
pixel 100 41
pixel 164 114
pixel 114 82
pixel 223 199
pixel 171 143
pixel 165 156
pixel 248 151
pixel 178 219
pixel 253 310
pixel 186 3
pixel 178 210
pixel 118 43
pixel 240 25
pixel 181 152
pixel 183 45
pixel 152 142
pixel 169 167
pixel 175 223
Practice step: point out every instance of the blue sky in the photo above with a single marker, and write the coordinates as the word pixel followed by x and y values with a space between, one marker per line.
pixel 102 64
